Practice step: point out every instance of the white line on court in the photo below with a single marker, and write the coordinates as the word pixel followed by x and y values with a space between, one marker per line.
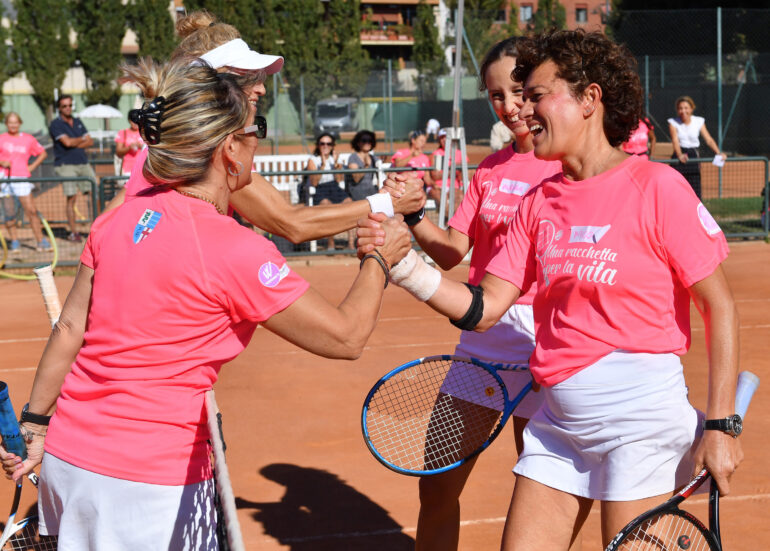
pixel 493 520
pixel 14 369
pixel 31 339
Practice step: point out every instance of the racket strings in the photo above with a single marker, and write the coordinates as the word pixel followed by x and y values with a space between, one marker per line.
pixel 28 539
pixel 673 531
pixel 434 413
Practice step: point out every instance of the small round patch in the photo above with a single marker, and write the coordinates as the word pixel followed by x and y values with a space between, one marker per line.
pixel 489 391
pixel 684 541
pixel 707 221
pixel 269 274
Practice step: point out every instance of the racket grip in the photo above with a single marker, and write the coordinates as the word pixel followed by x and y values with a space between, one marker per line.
pixel 747 384
pixel 9 426
pixel 50 294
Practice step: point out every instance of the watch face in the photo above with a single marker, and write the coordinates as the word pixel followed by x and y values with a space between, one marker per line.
pixel 737 424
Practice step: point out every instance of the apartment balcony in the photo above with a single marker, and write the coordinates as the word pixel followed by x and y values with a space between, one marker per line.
pixel 387 37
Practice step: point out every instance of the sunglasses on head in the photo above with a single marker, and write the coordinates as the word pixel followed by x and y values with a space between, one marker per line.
pixel 258 127
pixel 365 139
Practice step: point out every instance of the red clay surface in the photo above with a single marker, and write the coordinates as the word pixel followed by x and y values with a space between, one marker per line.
pixel 302 474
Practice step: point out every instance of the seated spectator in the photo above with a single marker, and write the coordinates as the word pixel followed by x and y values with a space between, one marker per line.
pixel 434 192
pixel 327 186
pixel 362 184
pixel 414 156
pixel 128 144
pixel 642 140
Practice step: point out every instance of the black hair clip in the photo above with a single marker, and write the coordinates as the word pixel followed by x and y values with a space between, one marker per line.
pixel 148 119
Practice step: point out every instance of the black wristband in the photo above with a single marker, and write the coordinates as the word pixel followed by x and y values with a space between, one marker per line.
pixel 412 219
pixel 27 417
pixel 473 315
pixel 382 264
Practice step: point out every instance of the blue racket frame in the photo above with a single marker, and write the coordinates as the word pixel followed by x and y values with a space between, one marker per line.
pixel 491 368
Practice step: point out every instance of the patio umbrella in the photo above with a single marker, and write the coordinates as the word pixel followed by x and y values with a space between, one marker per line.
pixel 100 111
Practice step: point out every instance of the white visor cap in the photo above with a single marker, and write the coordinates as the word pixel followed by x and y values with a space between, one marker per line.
pixel 238 55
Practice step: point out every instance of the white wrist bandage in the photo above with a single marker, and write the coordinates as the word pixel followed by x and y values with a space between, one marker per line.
pixel 415 276
pixel 381 202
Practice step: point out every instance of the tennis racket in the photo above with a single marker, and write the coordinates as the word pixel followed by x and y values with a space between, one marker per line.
pixel 228 527
pixel 667 527
pixel 433 414
pixel 21 535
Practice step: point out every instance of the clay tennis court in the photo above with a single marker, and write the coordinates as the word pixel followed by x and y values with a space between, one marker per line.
pixel 301 472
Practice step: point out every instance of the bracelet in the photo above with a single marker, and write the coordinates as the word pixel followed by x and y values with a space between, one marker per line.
pixel 27 435
pixel 413 218
pixel 381 262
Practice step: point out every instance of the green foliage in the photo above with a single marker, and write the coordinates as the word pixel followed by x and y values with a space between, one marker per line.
pixel 427 53
pixel 154 28
pixel 100 26
pixel 41 39
pixel 550 14
pixel 8 65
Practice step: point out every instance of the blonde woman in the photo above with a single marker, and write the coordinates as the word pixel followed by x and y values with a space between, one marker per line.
pixel 170 288
pixel 260 203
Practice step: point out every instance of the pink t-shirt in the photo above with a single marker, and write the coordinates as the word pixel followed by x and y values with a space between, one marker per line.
pixel 637 141
pixel 496 189
pixel 128 136
pixel 178 290
pixel 458 163
pixel 18 149
pixel 613 257
pixel 137 182
pixel 420 161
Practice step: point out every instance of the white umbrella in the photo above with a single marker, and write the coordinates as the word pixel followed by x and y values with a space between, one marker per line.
pixel 100 111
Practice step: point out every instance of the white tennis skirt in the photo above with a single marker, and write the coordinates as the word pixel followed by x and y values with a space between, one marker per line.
pixel 621 429
pixel 19 189
pixel 94 512
pixel 510 341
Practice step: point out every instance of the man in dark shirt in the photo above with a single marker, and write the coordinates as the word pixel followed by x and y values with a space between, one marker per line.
pixel 70 140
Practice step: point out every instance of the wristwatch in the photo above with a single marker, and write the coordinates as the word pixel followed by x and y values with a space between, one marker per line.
pixel 27 417
pixel 732 425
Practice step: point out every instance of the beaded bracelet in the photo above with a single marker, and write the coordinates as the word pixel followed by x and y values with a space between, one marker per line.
pixel 381 262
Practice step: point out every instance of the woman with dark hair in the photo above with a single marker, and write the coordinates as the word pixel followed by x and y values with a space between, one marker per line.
pixel 361 184
pixel 617 246
pixel 327 186
pixel 685 129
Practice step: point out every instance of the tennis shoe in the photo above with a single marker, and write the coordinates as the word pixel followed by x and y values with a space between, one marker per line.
pixel 15 245
pixel 75 237
pixel 44 245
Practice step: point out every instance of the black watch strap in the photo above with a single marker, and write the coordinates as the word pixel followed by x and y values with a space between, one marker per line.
pixel 27 417
pixel 732 425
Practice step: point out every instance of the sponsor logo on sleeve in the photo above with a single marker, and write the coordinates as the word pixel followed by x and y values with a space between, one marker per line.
pixel 707 221
pixel 271 275
pixel 587 234
pixel 146 224
pixel 514 187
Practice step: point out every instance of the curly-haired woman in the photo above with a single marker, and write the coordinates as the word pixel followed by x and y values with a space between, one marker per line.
pixel 617 246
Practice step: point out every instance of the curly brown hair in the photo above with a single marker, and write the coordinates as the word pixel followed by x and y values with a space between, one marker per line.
pixel 583 58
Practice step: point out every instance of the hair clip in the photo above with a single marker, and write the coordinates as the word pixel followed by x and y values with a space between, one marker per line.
pixel 148 119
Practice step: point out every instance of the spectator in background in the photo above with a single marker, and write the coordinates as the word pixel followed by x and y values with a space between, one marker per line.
pixel 500 136
pixel 414 157
pixel 16 149
pixel 434 192
pixel 128 144
pixel 362 184
pixel 685 130
pixel 70 141
pixel 431 130
pixel 642 140
pixel 327 186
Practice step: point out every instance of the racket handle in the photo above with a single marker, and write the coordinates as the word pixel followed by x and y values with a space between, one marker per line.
pixel 747 384
pixel 9 426
pixel 50 294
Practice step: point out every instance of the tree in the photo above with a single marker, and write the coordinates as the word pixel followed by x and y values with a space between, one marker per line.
pixel 550 14
pixel 154 28
pixel 8 65
pixel 41 39
pixel 427 53
pixel 100 26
